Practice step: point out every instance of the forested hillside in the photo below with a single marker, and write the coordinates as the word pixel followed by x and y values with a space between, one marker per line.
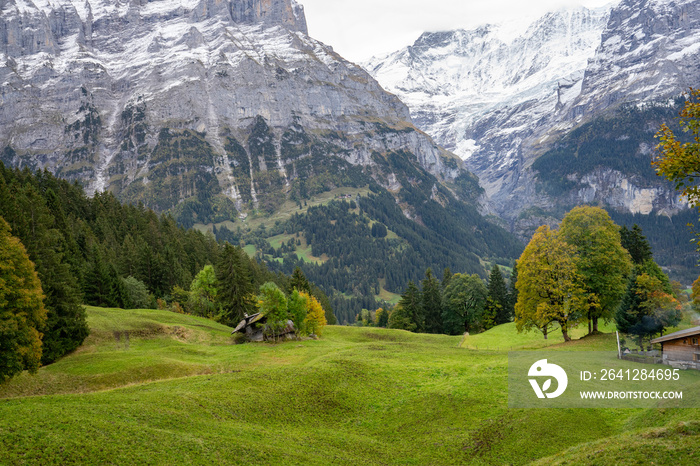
pixel 95 250
pixel 359 249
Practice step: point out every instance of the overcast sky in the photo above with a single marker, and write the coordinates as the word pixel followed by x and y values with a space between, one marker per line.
pixel 360 29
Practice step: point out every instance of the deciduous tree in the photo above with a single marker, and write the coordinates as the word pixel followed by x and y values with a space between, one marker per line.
pixel 677 161
pixel 464 301
pixel 203 292
pixel 601 262
pixel 549 286
pixel 316 317
pixel 22 313
pixel 273 304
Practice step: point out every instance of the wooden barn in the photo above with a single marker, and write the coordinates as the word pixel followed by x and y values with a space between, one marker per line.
pixel 681 349
pixel 254 327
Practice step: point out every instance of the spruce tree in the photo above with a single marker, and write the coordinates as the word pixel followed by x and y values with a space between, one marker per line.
pixel 636 244
pixel 236 293
pixel 431 303
pixel 497 303
pixel 299 282
pixel 513 290
pixel 410 310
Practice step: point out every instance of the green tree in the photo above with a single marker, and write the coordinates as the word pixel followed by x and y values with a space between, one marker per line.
pixel 382 316
pixel 602 263
pixel 431 303
pixel 298 308
pixel 236 293
pixel 411 309
pixel 299 282
pixel 646 309
pixel 137 293
pixel 364 318
pixel 512 290
pixel 636 244
pixel 273 304
pixel 464 302
pixel 549 287
pixel 401 319
pixel 497 304
pixel 22 312
pixel 203 292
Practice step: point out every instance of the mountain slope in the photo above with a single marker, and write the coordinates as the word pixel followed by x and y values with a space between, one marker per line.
pixel 89 87
pixel 562 113
pixel 482 93
pixel 227 115
pixel 585 64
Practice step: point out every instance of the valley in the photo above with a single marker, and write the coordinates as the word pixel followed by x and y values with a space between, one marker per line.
pixel 177 391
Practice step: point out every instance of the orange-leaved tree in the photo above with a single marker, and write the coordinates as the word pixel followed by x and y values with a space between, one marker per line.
pixel 22 313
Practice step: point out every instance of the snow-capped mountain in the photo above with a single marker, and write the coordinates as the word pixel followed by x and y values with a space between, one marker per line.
pixel 502 102
pixel 450 80
pixel 162 100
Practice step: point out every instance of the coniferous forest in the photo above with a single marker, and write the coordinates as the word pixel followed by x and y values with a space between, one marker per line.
pixel 97 251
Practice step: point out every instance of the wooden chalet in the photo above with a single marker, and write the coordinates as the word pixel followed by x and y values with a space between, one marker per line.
pixel 681 349
pixel 254 327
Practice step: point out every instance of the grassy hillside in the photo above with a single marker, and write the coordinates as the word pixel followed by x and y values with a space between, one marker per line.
pixel 177 391
pixel 506 338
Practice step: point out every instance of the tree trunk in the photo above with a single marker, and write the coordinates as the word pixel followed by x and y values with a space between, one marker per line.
pixel 589 322
pixel 565 332
pixel 595 324
pixel 545 332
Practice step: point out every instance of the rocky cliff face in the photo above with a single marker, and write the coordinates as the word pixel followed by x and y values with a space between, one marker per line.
pixel 163 100
pixel 501 103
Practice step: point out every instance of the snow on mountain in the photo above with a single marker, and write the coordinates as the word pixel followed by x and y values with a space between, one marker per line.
pixel 649 49
pixel 450 80
pixel 500 103
pixel 87 86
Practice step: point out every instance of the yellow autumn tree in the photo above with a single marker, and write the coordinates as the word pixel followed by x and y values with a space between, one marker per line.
pixel 315 317
pixel 549 286
pixel 22 313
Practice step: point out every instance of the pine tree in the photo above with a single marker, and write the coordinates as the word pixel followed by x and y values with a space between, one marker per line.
pixel 22 312
pixel 497 305
pixel 382 316
pixel 236 293
pixel 446 277
pixel 646 309
pixel 410 316
pixel 431 303
pixel 299 282
pixel 636 244
pixel 513 290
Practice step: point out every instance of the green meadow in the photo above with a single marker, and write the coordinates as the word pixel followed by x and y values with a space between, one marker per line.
pixel 155 387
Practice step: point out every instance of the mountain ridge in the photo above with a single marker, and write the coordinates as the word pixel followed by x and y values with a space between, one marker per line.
pixel 637 52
